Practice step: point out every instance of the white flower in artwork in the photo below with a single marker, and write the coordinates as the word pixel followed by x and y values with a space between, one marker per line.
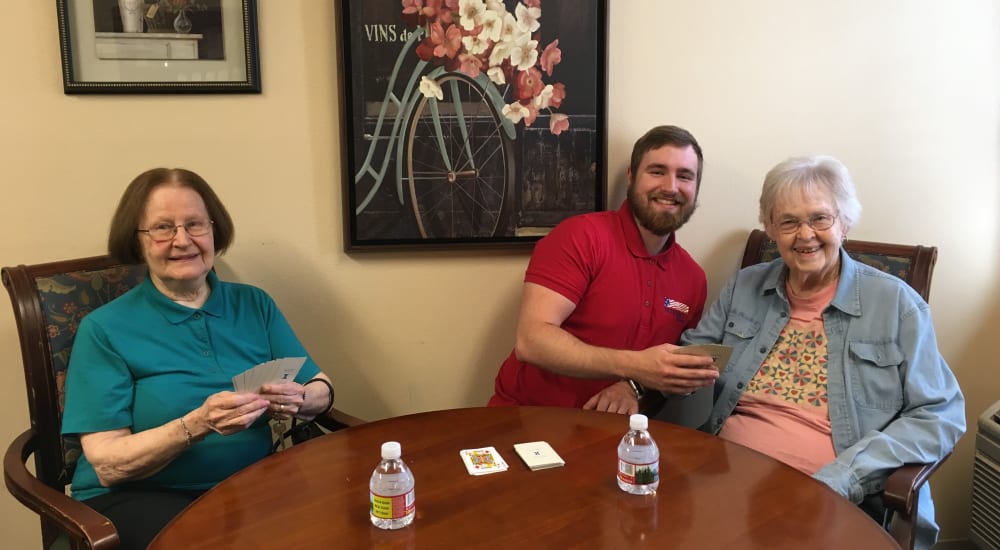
pixel 470 13
pixel 496 75
pixel 527 18
pixel 501 51
pixel 430 88
pixel 524 52
pixel 492 24
pixel 515 112
pixel 542 99
pixel 475 44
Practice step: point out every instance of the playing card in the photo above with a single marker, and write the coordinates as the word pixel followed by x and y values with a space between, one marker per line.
pixel 719 353
pixel 485 460
pixel 276 370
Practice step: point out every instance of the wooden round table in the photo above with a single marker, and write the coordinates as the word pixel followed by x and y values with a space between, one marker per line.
pixel 712 494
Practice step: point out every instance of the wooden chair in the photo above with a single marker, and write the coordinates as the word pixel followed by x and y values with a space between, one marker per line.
pixel 915 265
pixel 49 300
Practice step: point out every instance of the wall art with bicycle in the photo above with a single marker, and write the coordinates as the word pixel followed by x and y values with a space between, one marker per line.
pixel 471 122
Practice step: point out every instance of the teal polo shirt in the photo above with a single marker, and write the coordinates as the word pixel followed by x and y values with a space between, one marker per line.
pixel 143 360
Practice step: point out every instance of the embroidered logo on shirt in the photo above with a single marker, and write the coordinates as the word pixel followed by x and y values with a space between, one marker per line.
pixel 679 309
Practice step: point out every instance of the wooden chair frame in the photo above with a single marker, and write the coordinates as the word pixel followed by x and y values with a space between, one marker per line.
pixel 44 492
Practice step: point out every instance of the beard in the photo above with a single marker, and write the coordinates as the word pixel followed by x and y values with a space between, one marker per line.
pixel 659 223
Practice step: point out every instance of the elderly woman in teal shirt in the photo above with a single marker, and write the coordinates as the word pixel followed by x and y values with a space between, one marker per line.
pixel 148 388
pixel 835 367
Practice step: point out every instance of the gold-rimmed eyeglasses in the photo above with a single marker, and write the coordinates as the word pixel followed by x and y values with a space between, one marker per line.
pixel 818 222
pixel 163 232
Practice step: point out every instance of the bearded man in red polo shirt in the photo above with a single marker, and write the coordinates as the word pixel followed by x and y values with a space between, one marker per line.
pixel 607 294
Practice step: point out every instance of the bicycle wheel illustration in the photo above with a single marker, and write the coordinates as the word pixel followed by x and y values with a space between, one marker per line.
pixel 459 162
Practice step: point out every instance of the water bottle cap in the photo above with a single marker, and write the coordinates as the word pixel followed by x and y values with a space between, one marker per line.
pixel 391 450
pixel 638 422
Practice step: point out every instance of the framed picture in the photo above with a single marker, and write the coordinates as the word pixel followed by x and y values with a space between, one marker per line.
pixel 479 127
pixel 159 46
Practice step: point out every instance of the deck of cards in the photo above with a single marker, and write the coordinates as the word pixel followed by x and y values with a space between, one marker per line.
pixel 538 455
pixel 485 460
pixel 276 370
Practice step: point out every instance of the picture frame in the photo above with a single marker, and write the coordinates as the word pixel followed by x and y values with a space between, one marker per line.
pixel 159 46
pixel 451 140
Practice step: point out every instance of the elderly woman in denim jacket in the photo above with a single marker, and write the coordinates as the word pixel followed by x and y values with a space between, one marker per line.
pixel 835 367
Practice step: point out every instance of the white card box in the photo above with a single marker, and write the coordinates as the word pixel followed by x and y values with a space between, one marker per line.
pixel 538 455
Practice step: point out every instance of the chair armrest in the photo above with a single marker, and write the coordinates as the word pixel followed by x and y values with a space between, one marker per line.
pixel 337 420
pixel 903 485
pixel 77 520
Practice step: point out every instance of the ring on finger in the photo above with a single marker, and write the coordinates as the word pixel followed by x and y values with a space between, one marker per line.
pixel 281 407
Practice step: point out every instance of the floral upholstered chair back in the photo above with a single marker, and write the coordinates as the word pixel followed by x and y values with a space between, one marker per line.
pixel 911 263
pixel 61 301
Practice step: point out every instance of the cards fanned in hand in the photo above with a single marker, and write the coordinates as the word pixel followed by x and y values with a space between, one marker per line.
pixel 276 370
pixel 538 455
pixel 718 352
pixel 485 460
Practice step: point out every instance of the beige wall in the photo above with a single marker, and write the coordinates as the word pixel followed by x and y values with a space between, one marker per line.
pixel 904 91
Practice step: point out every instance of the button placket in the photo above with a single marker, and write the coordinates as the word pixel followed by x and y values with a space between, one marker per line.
pixel 200 329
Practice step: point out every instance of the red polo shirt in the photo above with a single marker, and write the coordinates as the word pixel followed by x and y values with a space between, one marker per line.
pixel 625 299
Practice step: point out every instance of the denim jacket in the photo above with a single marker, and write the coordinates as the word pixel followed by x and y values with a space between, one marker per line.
pixel 892 399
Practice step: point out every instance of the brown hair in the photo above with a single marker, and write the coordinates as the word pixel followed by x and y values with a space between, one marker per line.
pixel 665 135
pixel 123 239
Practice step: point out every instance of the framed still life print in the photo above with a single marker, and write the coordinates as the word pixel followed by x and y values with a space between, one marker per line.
pixel 472 123
pixel 159 46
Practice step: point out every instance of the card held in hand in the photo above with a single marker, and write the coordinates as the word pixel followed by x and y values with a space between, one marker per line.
pixel 718 352
pixel 538 455
pixel 485 460
pixel 275 370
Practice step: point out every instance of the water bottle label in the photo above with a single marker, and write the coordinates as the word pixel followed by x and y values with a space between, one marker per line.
pixel 638 474
pixel 395 507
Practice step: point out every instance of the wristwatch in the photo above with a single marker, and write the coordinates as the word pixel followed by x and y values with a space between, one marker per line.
pixel 639 391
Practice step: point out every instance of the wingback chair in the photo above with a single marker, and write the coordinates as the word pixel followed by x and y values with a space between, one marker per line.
pixel 915 265
pixel 49 300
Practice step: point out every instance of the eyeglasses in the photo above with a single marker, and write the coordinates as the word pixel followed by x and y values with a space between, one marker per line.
pixel 818 222
pixel 163 232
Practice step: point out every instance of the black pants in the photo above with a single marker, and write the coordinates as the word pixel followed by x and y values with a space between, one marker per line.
pixel 139 514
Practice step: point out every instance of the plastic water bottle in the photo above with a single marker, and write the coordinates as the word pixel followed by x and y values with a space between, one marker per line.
pixel 391 485
pixel 638 459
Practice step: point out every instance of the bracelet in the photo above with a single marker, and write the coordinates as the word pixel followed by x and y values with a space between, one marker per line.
pixel 328 385
pixel 187 432
pixel 636 388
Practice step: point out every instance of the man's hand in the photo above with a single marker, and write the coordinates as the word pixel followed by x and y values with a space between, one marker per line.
pixel 616 398
pixel 661 369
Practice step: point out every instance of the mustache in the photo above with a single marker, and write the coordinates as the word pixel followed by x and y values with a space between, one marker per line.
pixel 678 198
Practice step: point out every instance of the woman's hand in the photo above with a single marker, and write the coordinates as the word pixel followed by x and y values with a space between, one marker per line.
pixel 302 401
pixel 284 399
pixel 228 412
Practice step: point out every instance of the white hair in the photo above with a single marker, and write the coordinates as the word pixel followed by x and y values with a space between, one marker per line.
pixel 812 172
